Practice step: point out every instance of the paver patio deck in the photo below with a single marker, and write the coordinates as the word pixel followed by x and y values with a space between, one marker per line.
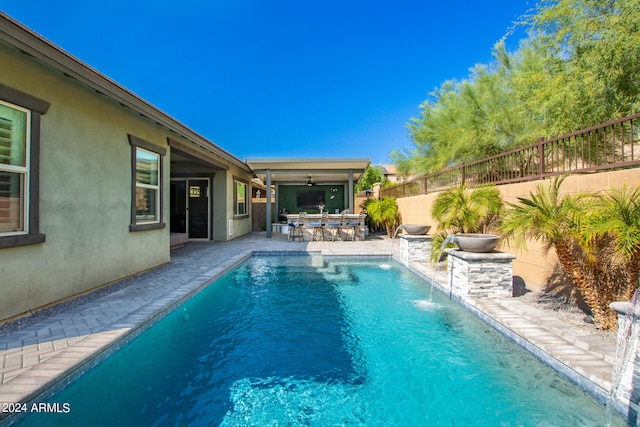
pixel 34 359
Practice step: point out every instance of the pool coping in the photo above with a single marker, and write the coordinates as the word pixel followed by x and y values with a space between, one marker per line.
pixel 41 380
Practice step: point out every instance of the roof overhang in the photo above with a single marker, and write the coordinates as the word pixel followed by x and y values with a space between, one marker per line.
pixel 29 42
pixel 299 171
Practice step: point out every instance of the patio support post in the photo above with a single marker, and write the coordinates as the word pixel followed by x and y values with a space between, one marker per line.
pixel 351 191
pixel 268 207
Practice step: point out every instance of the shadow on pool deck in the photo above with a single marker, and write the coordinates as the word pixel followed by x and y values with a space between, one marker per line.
pixel 77 335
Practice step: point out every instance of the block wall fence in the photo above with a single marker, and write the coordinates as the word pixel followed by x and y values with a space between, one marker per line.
pixel 531 265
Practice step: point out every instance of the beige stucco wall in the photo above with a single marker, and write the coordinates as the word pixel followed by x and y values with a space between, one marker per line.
pixel 532 265
pixel 85 189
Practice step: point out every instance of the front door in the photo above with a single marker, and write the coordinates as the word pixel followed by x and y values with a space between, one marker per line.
pixel 190 207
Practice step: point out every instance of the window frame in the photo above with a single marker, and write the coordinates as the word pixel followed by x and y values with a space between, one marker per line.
pixel 136 144
pixel 239 181
pixel 35 108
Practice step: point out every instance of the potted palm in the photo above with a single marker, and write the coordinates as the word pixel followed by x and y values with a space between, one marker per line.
pixel 467 215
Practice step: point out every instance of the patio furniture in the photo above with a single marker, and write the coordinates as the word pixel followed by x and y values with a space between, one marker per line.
pixel 352 226
pixel 317 227
pixel 295 228
pixel 334 228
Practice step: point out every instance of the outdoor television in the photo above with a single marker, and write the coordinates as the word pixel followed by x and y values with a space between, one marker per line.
pixel 309 199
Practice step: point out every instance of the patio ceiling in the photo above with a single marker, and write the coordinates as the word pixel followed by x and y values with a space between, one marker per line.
pixel 299 171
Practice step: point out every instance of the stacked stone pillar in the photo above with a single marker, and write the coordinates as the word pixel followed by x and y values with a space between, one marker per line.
pixel 415 248
pixel 625 378
pixel 480 275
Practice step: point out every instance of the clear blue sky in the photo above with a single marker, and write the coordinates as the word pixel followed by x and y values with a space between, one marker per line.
pixel 281 78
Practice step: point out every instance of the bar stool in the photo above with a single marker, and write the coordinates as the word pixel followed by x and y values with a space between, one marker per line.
pixel 334 228
pixel 295 228
pixel 354 226
pixel 318 227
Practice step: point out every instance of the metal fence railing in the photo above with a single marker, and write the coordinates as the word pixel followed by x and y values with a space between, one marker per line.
pixel 608 146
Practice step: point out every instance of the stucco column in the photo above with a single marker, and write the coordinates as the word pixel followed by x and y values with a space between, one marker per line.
pixel 268 207
pixel 350 192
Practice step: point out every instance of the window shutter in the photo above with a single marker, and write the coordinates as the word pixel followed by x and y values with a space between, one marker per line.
pixel 6 128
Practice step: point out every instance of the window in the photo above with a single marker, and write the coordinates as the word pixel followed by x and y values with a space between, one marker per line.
pixel 241 197
pixel 146 184
pixel 19 167
pixel 14 168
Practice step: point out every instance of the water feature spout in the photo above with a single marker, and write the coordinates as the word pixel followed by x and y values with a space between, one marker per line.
pixel 393 239
pixel 448 239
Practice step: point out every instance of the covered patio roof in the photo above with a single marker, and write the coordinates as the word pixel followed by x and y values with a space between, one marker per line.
pixel 303 171
pixel 328 170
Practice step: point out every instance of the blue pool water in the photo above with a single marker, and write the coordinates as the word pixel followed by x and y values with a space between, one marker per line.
pixel 295 341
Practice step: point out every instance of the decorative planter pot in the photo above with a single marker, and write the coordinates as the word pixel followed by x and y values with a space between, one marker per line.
pixel 415 229
pixel 476 242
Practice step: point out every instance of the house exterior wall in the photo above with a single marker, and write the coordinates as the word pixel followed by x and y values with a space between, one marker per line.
pixel 532 265
pixel 224 213
pixel 85 194
pixel 86 191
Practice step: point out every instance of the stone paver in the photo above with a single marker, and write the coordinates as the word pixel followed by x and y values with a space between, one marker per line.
pixel 35 359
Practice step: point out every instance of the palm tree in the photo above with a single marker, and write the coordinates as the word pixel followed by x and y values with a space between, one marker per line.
pixel 555 220
pixel 617 217
pixel 464 210
pixel 383 212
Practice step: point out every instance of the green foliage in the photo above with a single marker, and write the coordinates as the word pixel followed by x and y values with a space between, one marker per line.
pixel 545 216
pixel 615 218
pixel 579 66
pixel 383 212
pixel 596 239
pixel 595 45
pixel 619 215
pixel 437 250
pixel 370 176
pixel 464 210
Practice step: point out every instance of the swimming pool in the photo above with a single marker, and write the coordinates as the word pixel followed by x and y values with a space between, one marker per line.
pixel 298 340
